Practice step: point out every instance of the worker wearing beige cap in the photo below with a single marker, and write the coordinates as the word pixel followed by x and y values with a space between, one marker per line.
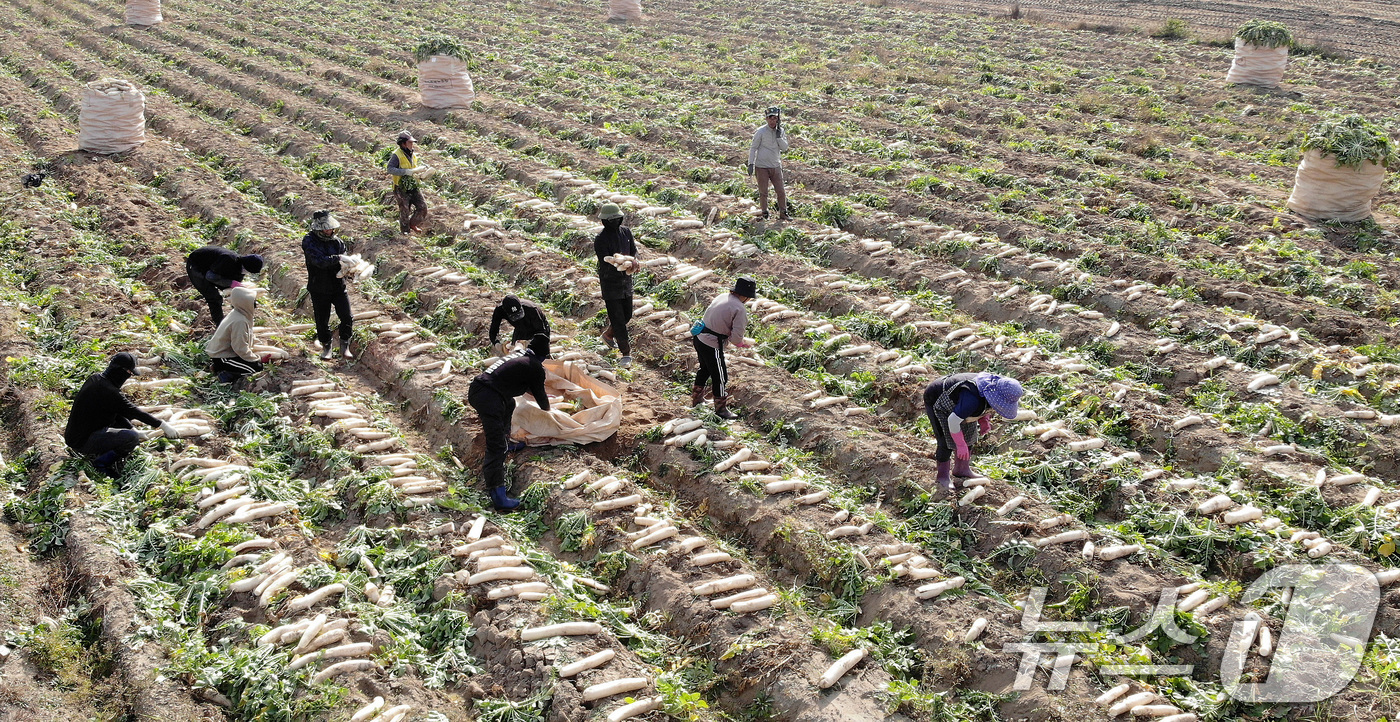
pixel 404 167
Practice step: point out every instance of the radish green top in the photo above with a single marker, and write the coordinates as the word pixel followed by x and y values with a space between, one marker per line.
pixel 1265 34
pixel 1352 140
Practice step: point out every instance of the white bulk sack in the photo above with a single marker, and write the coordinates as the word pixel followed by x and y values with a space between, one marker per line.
pixel 624 9
pixel 1325 191
pixel 112 118
pixel 443 82
pixel 598 418
pixel 1257 65
pixel 143 12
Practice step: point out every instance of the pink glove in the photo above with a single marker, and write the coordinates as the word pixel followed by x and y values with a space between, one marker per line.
pixel 741 344
pixel 962 453
pixel 234 284
pixel 984 425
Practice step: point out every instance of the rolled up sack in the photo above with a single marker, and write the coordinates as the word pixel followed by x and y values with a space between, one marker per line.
pixel 443 82
pixel 112 118
pixel 143 12
pixel 1325 191
pixel 624 9
pixel 1257 65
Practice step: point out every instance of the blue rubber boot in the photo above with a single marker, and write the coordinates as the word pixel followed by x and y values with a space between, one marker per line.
pixel 502 500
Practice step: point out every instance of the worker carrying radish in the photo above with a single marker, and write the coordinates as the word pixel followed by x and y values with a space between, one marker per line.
pixel 526 317
pixel 958 407
pixel 726 318
pixel 492 394
pixel 617 261
pixel 766 161
pixel 230 349
pixel 403 165
pixel 99 424
pixel 325 282
pixel 213 270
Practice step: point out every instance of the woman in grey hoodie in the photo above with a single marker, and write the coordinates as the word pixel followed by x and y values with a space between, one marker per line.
pixel 766 161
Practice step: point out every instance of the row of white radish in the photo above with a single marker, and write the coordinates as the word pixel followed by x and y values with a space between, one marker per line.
pixel 902 559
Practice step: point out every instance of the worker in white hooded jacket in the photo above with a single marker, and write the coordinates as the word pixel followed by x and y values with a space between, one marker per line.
pixel 231 347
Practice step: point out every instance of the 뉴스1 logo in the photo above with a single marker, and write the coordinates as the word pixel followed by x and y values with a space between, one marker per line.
pixel 1319 651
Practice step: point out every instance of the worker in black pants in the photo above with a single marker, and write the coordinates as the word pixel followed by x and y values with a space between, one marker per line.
pixel 325 283
pixel 526 317
pixel 493 394
pixel 213 269
pixel 99 424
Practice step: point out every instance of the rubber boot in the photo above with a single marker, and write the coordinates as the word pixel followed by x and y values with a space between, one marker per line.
pixel 326 352
pixel 345 351
pixel 697 395
pixel 722 409
pixel 962 469
pixel 945 479
pixel 502 500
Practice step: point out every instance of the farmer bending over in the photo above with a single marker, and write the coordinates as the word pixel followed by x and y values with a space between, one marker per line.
pixel 725 318
pixel 213 269
pixel 493 394
pixel 953 404
pixel 99 426
pixel 526 317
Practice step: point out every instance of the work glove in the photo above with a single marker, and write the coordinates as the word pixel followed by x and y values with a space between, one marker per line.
pixel 235 284
pixel 498 349
pixel 984 425
pixel 750 167
pixel 266 357
pixel 963 453
pixel 169 430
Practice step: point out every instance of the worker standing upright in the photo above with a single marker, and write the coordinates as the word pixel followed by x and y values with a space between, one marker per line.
pixel 615 278
pixel 958 407
pixel 99 424
pixel 213 269
pixel 403 165
pixel 492 394
pixel 325 282
pixel 525 317
pixel 725 319
pixel 766 161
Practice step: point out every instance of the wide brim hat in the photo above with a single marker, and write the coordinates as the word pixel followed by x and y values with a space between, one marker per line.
pixel 1001 393
pixel 609 211
pixel 325 222
pixel 745 286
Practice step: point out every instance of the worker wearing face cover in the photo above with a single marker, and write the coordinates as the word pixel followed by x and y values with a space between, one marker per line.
pixel 525 317
pixel 99 425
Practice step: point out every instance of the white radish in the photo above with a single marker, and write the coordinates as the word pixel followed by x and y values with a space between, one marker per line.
pixel 636 709
pixel 615 687
pixel 307 601
pixel 567 629
pixel 728 584
pixel 1108 697
pixel 978 627
pixel 932 591
pixel 1011 505
pixel 501 574
pixel 1063 538
pixel 1240 516
pixel 704 560
pixel 587 663
pixel 1131 701
pixel 731 462
pixel 1187 422
pixel 753 605
pixel 836 671
pixel 1216 503
pixel 1110 553
pixel 351 665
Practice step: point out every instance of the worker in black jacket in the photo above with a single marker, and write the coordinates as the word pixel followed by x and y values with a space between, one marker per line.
pixel 325 282
pixel 615 278
pixel 99 426
pixel 213 269
pixel 526 317
pixel 493 394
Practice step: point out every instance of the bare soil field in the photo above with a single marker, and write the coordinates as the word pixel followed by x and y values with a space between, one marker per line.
pixel 1213 382
pixel 1357 29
